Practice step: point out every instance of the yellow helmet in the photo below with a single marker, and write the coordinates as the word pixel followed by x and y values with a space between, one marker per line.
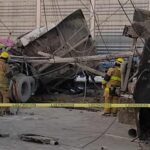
pixel 119 60
pixel 4 55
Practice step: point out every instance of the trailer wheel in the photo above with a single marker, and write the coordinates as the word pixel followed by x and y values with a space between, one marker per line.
pixel 33 84
pixel 21 88
pixel 11 89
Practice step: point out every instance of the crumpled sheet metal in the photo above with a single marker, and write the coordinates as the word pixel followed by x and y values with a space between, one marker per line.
pixel 141 23
pixel 69 38
pixel 141 15
pixel 142 88
pixel 142 26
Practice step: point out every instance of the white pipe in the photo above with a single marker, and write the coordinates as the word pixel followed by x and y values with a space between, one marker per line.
pixel 57 60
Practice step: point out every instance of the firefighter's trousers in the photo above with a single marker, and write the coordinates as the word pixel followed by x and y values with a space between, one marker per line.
pixel 4 98
pixel 110 99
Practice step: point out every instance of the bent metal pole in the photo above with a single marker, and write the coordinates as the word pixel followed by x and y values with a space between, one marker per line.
pixel 57 60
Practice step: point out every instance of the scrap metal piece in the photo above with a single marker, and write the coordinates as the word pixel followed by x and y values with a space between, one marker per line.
pixel 31 36
pixel 38 139
pixel 142 26
pixel 4 135
pixel 129 32
pixel 142 88
pixel 128 71
pixel 67 38
pixel 141 23
pixel 141 15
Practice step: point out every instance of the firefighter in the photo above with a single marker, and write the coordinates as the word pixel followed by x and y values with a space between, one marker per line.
pixel 110 84
pixel 4 96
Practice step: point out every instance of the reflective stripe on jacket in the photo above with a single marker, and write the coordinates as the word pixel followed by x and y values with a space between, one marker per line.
pixel 115 78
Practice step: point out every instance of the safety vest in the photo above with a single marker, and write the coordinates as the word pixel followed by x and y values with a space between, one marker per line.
pixel 115 79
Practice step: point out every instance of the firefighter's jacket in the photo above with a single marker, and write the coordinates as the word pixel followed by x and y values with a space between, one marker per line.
pixel 3 72
pixel 112 79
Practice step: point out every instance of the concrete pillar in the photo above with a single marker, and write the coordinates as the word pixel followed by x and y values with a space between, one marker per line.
pixel 38 13
pixel 92 16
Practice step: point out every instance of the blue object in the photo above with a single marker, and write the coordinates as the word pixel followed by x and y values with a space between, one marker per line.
pixel 105 65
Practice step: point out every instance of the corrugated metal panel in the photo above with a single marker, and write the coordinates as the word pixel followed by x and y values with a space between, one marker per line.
pixel 111 26
pixel 56 10
pixel 18 16
pixel 106 8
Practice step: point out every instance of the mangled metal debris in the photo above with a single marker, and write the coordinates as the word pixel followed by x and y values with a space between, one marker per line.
pixel 45 61
pixel 141 23
pixel 70 38
pixel 38 139
pixel 138 74
pixel 33 35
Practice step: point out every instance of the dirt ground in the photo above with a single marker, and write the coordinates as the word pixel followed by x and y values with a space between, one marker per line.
pixel 74 129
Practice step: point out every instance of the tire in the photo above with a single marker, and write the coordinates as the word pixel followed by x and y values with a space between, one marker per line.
pixel 22 91
pixel 12 99
pixel 33 84
pixel 132 133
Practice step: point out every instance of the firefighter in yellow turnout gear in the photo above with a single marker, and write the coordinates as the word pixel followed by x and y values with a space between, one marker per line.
pixel 111 82
pixel 4 96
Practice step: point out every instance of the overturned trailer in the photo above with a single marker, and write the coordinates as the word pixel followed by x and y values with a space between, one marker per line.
pixel 70 38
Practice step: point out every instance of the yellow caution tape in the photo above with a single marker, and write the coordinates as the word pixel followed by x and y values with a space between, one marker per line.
pixel 76 105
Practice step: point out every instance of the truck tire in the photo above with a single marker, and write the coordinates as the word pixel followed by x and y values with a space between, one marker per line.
pixel 33 84
pixel 11 96
pixel 22 91
pixel 132 132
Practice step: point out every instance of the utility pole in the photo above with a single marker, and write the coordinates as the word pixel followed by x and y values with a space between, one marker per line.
pixel 38 13
pixel 149 5
pixel 92 18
